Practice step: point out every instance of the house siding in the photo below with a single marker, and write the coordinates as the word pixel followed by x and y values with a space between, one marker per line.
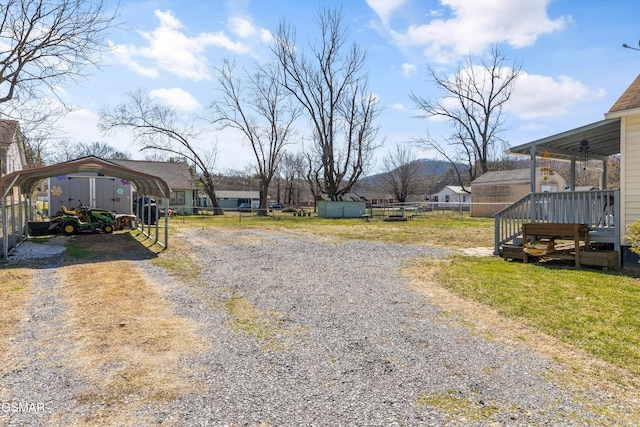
pixel 630 175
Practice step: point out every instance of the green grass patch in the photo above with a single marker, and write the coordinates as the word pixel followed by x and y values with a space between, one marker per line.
pixel 457 405
pixel 265 326
pixel 40 239
pixel 77 250
pixel 453 230
pixel 592 310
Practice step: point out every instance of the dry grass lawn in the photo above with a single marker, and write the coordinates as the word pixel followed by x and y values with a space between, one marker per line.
pixel 128 340
pixel 15 286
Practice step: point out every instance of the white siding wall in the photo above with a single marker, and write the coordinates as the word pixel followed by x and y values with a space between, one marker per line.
pixel 630 173
pixel 14 161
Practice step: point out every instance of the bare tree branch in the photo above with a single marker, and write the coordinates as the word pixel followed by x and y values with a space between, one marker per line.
pixel 44 42
pixel 158 127
pixel 472 103
pixel 264 114
pixel 331 86
pixel 401 171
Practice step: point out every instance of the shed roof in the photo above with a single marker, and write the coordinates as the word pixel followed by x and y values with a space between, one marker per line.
pixel 511 176
pixel 27 179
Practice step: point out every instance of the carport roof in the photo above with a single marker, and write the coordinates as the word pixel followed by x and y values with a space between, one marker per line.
pixel 27 179
pixel 603 137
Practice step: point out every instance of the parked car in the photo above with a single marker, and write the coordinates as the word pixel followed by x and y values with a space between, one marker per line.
pixel 276 206
pixel 244 207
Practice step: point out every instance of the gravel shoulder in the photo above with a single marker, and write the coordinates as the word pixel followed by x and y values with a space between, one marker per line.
pixel 306 330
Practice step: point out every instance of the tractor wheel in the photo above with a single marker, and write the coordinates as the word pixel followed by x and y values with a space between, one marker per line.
pixel 108 228
pixel 69 228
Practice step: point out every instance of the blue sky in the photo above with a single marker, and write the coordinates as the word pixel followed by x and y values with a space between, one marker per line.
pixel 570 51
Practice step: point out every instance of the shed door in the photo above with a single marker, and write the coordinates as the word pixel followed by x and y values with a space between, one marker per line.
pixel 104 195
pixel 77 192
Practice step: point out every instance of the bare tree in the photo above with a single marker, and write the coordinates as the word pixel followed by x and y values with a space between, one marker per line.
pixel 44 42
pixel 401 171
pixel 472 102
pixel 160 128
pixel 331 86
pixel 292 169
pixel 263 113
pixel 65 150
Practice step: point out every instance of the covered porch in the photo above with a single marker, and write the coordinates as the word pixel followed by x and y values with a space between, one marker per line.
pixel 598 210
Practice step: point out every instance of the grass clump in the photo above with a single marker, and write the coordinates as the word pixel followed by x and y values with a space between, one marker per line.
pixel 265 326
pixel 455 404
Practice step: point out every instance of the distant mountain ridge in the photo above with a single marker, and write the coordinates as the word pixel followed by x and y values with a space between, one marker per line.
pixel 429 168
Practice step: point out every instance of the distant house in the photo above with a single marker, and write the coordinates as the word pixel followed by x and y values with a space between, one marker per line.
pixel 177 174
pixel 372 198
pixel 231 199
pixel 12 150
pixel 495 190
pixel 451 197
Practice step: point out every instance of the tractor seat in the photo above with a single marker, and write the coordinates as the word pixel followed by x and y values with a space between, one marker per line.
pixel 67 211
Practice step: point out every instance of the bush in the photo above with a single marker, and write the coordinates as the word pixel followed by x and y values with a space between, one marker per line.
pixel 634 236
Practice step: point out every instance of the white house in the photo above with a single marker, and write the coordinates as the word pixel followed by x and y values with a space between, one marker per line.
pixel 12 154
pixel 451 197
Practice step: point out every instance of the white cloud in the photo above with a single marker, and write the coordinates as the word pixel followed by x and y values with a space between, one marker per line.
pixel 408 69
pixel 469 27
pixel 170 49
pixel 245 29
pixel 537 96
pixel 397 106
pixel 384 8
pixel 177 98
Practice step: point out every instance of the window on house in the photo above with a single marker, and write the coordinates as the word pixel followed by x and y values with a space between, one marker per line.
pixel 177 198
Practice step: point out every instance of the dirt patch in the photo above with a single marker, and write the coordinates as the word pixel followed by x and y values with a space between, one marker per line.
pixel 129 340
pixel 580 368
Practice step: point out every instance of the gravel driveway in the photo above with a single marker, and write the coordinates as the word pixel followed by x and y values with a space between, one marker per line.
pixel 306 330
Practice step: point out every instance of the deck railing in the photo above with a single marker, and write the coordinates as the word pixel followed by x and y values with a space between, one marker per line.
pixel 598 209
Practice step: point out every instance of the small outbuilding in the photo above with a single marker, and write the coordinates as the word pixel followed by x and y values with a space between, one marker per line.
pixel 495 190
pixel 451 197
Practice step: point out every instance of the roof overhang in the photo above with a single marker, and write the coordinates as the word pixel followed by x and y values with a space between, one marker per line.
pixel 28 179
pixel 603 137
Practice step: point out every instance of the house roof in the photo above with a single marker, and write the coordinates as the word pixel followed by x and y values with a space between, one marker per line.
pixel 176 174
pixel 29 178
pixel 8 130
pixel 630 99
pixel 240 194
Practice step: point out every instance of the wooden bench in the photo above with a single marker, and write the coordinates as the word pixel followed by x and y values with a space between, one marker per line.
pixel 575 232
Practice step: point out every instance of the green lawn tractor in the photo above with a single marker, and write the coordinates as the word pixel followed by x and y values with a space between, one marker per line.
pixel 83 219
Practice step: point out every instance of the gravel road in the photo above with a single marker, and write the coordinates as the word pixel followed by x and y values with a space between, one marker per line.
pixel 313 331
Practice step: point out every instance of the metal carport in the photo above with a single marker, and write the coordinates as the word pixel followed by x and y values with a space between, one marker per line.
pixel 26 180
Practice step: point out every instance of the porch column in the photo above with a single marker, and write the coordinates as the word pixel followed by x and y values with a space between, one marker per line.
pixel 532 178
pixel 573 173
pixel 605 173
pixel 532 170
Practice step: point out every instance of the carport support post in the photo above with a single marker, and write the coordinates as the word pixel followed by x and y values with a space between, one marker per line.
pixel 5 234
pixel 166 222
pixel 13 219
